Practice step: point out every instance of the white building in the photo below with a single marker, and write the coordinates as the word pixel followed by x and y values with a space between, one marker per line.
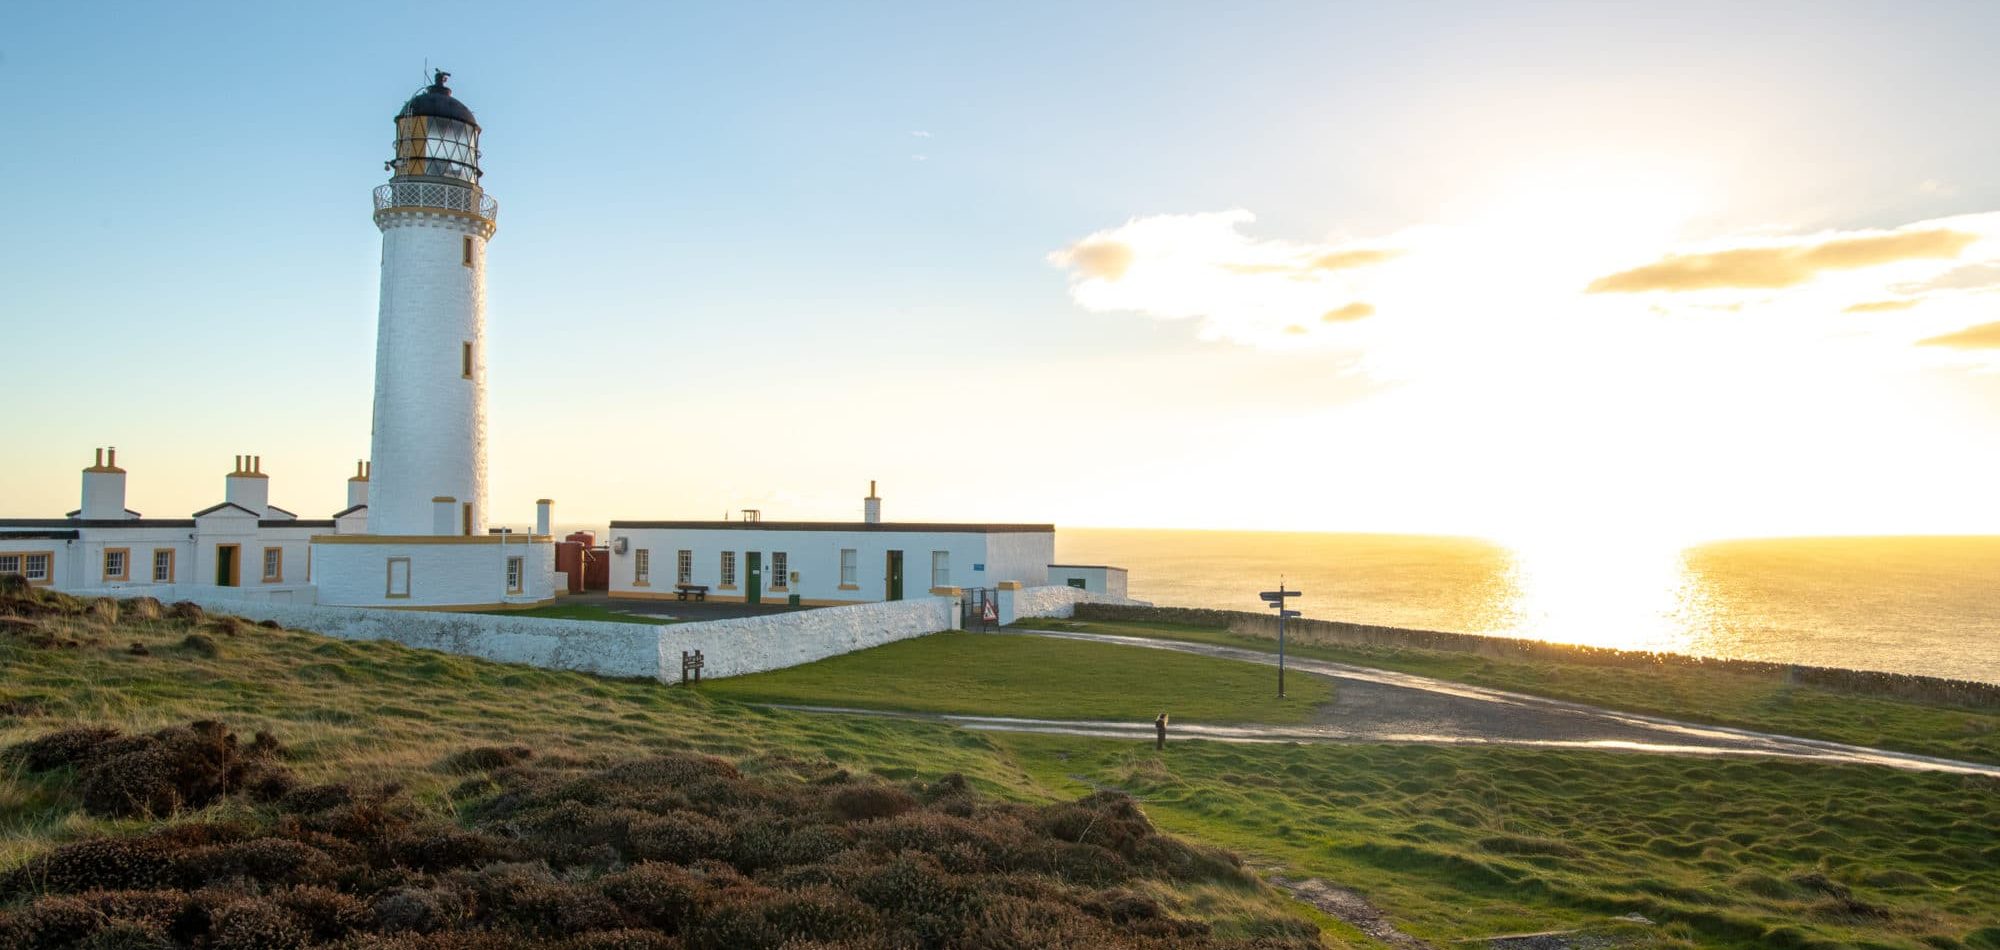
pixel 823 562
pixel 243 542
pixel 414 531
pixel 426 542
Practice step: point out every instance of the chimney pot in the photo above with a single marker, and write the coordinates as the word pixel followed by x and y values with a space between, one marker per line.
pixel 100 459
pixel 113 457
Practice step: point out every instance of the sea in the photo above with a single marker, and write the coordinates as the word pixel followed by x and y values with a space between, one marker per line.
pixel 1927 605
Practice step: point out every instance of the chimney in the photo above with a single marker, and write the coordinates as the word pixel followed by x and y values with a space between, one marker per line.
pixel 104 489
pixel 442 512
pixel 544 516
pixel 357 487
pixel 871 506
pixel 247 487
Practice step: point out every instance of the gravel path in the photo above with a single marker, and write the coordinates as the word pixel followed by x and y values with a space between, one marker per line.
pixel 1382 706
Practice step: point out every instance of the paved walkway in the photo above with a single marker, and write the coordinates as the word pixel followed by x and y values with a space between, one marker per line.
pixel 1374 705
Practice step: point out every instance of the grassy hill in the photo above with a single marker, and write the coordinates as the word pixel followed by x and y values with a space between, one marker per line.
pixel 1442 844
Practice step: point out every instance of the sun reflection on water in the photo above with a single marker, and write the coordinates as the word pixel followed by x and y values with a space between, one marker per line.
pixel 1624 593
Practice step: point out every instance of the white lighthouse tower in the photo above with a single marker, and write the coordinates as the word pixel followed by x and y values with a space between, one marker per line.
pixel 427 543
pixel 429 440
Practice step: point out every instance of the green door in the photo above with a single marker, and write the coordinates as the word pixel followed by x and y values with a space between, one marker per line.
pixel 895 575
pixel 753 592
pixel 225 565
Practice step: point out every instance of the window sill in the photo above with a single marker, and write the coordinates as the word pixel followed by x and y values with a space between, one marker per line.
pixel 725 587
pixel 848 587
pixel 642 583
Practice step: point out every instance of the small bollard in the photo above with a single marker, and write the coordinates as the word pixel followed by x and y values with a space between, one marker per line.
pixel 691 663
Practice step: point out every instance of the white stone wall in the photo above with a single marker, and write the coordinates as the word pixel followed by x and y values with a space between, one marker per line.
pixel 729 647
pixel 430 421
pixel 441 575
pixel 1058 602
pixel 1021 557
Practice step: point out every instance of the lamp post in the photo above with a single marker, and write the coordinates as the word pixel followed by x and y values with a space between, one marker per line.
pixel 1277 598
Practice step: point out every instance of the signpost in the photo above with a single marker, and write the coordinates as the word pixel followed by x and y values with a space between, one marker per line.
pixel 1277 598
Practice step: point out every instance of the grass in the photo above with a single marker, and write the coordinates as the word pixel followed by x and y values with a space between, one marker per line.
pixel 983 674
pixel 568 611
pixel 1451 843
pixel 1719 697
pixel 1466 842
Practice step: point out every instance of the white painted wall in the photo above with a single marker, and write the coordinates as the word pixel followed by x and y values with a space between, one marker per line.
pixel 430 421
pixel 729 647
pixel 1099 578
pixel 1049 601
pixel 441 575
pixel 815 556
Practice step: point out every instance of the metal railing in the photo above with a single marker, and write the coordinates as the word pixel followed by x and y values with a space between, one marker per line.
pixel 430 194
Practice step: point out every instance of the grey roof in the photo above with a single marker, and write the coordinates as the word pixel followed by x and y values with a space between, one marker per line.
pixel 33 535
pixel 912 527
pixel 97 522
pixel 212 509
pixel 436 100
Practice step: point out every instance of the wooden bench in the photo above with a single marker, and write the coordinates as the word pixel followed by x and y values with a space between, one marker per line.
pixel 700 591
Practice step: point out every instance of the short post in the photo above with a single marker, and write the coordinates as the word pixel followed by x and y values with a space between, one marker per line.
pixel 1276 598
pixel 691 663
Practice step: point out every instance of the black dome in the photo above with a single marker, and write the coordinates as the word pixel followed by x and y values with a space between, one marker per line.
pixel 436 100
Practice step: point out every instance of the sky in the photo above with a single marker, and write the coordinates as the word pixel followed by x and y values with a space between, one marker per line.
pixel 1528 271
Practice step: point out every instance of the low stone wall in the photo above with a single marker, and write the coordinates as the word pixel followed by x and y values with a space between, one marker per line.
pixel 775 641
pixel 1930 689
pixel 1055 600
pixel 729 647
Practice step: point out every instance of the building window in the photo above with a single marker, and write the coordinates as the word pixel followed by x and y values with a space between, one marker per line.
pixel 274 565
pixel 780 576
pixel 850 568
pixel 466 254
pixel 684 567
pixel 940 568
pixel 465 359
pixel 163 565
pixel 399 577
pixel 514 573
pixel 642 568
pixel 35 567
pixel 10 564
pixel 729 568
pixel 117 564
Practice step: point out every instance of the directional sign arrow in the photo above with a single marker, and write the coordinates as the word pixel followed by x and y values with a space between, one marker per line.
pixel 1288 613
pixel 1278 596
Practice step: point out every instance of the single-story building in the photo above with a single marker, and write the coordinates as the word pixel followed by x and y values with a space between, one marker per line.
pixel 1096 578
pixel 823 562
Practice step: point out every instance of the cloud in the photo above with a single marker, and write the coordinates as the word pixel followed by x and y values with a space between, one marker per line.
pixel 920 134
pixel 1097 260
pixel 1969 277
pixel 1942 189
pixel 1883 306
pixel 1241 288
pixel 1363 257
pixel 920 157
pixel 1985 336
pixel 1776 266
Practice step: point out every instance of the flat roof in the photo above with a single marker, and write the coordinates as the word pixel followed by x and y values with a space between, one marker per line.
pixel 911 527
pixel 1089 567
pixel 96 523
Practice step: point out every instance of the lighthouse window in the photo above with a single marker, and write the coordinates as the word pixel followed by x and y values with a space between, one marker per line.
pixel 514 573
pixel 467 259
pixel 465 360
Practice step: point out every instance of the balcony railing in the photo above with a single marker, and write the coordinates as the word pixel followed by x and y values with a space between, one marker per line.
pixel 430 194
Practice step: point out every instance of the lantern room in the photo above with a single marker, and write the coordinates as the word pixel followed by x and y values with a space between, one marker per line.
pixel 436 137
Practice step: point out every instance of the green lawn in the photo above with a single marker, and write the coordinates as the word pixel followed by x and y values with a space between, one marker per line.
pixel 1450 843
pixel 1037 677
pixel 1698 695
pixel 561 610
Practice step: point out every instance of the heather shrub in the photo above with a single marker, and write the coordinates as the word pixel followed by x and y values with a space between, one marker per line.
pixel 487 758
pixel 64 747
pixel 186 611
pixel 861 802
pixel 201 644
pixel 141 608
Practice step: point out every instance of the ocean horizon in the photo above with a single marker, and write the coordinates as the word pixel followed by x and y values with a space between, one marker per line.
pixel 1928 605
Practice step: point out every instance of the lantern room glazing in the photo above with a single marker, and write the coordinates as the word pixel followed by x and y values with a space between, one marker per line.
pixel 437 137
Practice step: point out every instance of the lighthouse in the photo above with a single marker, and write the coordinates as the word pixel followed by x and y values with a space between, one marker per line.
pixel 428 444
pixel 420 499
